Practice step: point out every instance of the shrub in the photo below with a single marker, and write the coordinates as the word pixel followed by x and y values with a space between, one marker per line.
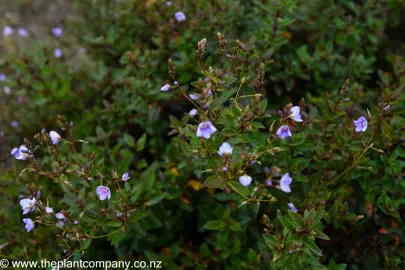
pixel 163 155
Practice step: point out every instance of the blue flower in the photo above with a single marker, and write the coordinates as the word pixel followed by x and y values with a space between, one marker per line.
pixel 23 153
pixel 285 183
pixel 57 31
pixel 180 16
pixel 103 192
pixel 295 114
pixel 245 180
pixel 27 205
pixel 60 216
pixel 55 137
pixel 225 149
pixel 165 88
pixel 125 177
pixel 292 207
pixel 22 32
pixel 361 124
pixel 29 225
pixel 193 112
pixel 7 31
pixel 284 132
pixel 58 53
pixel 205 129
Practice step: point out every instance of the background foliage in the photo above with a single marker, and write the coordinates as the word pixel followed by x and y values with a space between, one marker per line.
pixel 108 81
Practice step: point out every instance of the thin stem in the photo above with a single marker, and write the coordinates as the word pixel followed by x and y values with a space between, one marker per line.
pixel 102 236
pixel 244 196
pixel 237 96
pixel 352 166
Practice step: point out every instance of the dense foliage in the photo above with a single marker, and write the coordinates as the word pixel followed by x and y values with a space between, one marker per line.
pixel 204 134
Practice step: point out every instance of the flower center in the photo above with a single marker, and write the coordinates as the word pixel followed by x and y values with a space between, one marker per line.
pixel 203 125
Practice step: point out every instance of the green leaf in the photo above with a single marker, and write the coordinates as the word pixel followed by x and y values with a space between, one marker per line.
pixel 321 235
pixel 114 224
pixel 204 250
pixel 138 215
pixel 215 225
pixel 263 105
pixel 251 255
pixel 86 243
pixel 116 237
pixel 226 214
pixel 297 218
pixel 318 217
pixel 286 223
pixel 215 181
pixel 312 246
pixel 128 139
pixel 257 125
pixel 271 241
pixel 233 225
pixel 310 217
pixel 140 144
pixel 156 199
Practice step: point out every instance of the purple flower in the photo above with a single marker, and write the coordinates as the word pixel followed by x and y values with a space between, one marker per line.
pixel 245 180
pixel 23 153
pixel 22 32
pixel 224 168
pixel 14 151
pixel 292 207
pixel 118 214
pixel 387 107
pixel 125 177
pixel 225 149
pixel 57 31
pixel 29 225
pixel 180 16
pixel 2 77
pixel 285 183
pixel 55 137
pixel 269 183
pixel 75 222
pixel 295 114
pixel 15 123
pixel 48 209
pixel 284 132
pixel 58 53
pixel 27 205
pixel 361 124
pixel 7 90
pixel 168 3
pixel 165 88
pixel 60 216
pixel 205 129
pixel 103 192
pixel 7 31
pixel 195 96
pixel 193 112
